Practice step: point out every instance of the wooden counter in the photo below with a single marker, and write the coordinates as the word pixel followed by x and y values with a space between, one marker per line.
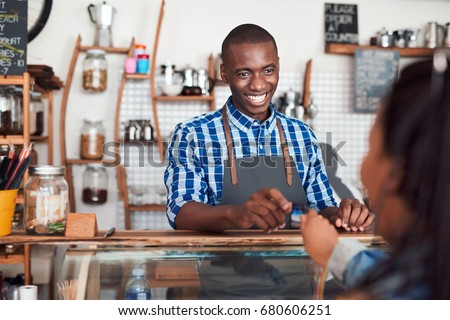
pixel 182 238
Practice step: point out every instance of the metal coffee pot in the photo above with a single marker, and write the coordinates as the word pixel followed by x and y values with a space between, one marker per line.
pixel 447 35
pixel 102 16
pixel 434 35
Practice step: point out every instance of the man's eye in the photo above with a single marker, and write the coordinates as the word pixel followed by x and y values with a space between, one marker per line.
pixel 269 71
pixel 243 74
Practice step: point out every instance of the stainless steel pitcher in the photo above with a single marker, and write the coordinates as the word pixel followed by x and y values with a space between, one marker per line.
pixel 434 35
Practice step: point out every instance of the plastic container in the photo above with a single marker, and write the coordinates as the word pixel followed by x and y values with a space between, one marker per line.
pixel 142 63
pixel 95 185
pixel 46 201
pixel 92 139
pixel 36 114
pixel 137 287
pixel 95 71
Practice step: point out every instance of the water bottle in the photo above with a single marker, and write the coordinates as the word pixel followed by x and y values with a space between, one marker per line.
pixel 138 288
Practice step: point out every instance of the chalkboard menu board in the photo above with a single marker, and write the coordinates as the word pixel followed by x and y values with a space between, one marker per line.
pixel 341 23
pixel 13 37
pixel 375 70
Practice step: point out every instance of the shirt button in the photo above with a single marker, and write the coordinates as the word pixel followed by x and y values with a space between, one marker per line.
pixel 261 146
pixel 255 123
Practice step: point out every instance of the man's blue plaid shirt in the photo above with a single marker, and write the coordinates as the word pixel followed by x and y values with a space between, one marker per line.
pixel 198 149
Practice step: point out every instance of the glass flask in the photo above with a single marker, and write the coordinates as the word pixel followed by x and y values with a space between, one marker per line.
pixel 36 114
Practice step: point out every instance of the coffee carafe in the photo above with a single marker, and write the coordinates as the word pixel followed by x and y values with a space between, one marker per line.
pixel 434 35
pixel 102 15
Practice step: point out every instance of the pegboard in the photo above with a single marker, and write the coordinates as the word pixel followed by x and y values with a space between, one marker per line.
pixel 335 124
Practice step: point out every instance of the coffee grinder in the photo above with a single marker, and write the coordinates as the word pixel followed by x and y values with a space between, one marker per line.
pixel 102 15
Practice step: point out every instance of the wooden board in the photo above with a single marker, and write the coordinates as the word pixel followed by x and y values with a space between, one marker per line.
pixel 184 238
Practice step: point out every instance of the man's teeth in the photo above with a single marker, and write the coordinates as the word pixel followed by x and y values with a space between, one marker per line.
pixel 258 98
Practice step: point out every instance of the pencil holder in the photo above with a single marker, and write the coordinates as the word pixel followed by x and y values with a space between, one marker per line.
pixel 7 205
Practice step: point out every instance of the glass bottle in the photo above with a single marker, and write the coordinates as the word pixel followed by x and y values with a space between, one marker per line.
pixel 46 200
pixel 92 139
pixel 5 111
pixel 95 184
pixel 137 287
pixel 36 114
pixel 95 71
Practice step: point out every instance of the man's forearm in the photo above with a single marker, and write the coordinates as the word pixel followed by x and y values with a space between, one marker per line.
pixel 200 216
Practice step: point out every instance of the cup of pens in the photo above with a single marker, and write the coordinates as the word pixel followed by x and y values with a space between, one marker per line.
pixel 7 205
pixel 12 169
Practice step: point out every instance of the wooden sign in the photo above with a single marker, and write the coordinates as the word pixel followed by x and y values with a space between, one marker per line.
pixel 341 23
pixel 13 37
pixel 375 70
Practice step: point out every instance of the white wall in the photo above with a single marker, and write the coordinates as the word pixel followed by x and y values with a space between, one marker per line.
pixel 192 29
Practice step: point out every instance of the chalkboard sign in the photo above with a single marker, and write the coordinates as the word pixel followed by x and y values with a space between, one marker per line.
pixel 13 37
pixel 375 70
pixel 341 23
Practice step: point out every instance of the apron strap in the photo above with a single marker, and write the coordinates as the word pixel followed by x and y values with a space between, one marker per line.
pixel 226 128
pixel 287 159
pixel 284 148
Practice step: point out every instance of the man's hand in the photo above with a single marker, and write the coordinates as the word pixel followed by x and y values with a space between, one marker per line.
pixel 266 209
pixel 319 237
pixel 352 215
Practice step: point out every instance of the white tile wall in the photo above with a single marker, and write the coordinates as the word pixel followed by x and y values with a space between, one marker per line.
pixel 335 123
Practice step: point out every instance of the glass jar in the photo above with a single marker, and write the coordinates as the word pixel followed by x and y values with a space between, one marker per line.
pixel 5 111
pixel 95 71
pixel 95 184
pixel 36 114
pixel 46 201
pixel 92 139
pixel 17 115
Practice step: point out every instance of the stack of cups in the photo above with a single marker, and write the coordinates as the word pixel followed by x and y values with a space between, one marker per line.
pixel 140 61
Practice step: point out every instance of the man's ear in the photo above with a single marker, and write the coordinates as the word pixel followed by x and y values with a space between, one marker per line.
pixel 222 74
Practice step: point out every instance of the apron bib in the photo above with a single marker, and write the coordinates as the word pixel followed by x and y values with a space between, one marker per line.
pixel 248 175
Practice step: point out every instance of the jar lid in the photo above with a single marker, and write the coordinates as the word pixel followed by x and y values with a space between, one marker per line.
pixel 46 170
pixel 92 120
pixel 96 166
pixel 96 52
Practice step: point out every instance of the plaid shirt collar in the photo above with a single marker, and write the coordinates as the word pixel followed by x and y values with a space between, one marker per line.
pixel 245 123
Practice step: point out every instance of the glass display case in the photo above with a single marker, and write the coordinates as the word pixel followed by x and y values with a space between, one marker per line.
pixel 257 272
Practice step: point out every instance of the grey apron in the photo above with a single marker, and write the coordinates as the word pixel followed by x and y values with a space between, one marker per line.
pixel 248 175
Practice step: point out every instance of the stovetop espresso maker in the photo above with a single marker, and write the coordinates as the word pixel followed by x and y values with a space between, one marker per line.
pixel 102 16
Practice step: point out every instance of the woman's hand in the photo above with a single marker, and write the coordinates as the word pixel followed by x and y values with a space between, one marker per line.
pixel 319 237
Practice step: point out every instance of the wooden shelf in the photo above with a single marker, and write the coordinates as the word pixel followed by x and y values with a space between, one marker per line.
pixel 39 138
pixel 184 98
pixel 15 139
pixel 349 49
pixel 106 49
pixel 13 258
pixel 82 161
pixel 139 76
pixel 147 207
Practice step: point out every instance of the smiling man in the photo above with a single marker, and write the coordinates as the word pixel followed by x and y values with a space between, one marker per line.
pixel 244 165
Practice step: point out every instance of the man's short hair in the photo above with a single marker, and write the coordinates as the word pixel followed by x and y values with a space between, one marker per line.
pixel 246 33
